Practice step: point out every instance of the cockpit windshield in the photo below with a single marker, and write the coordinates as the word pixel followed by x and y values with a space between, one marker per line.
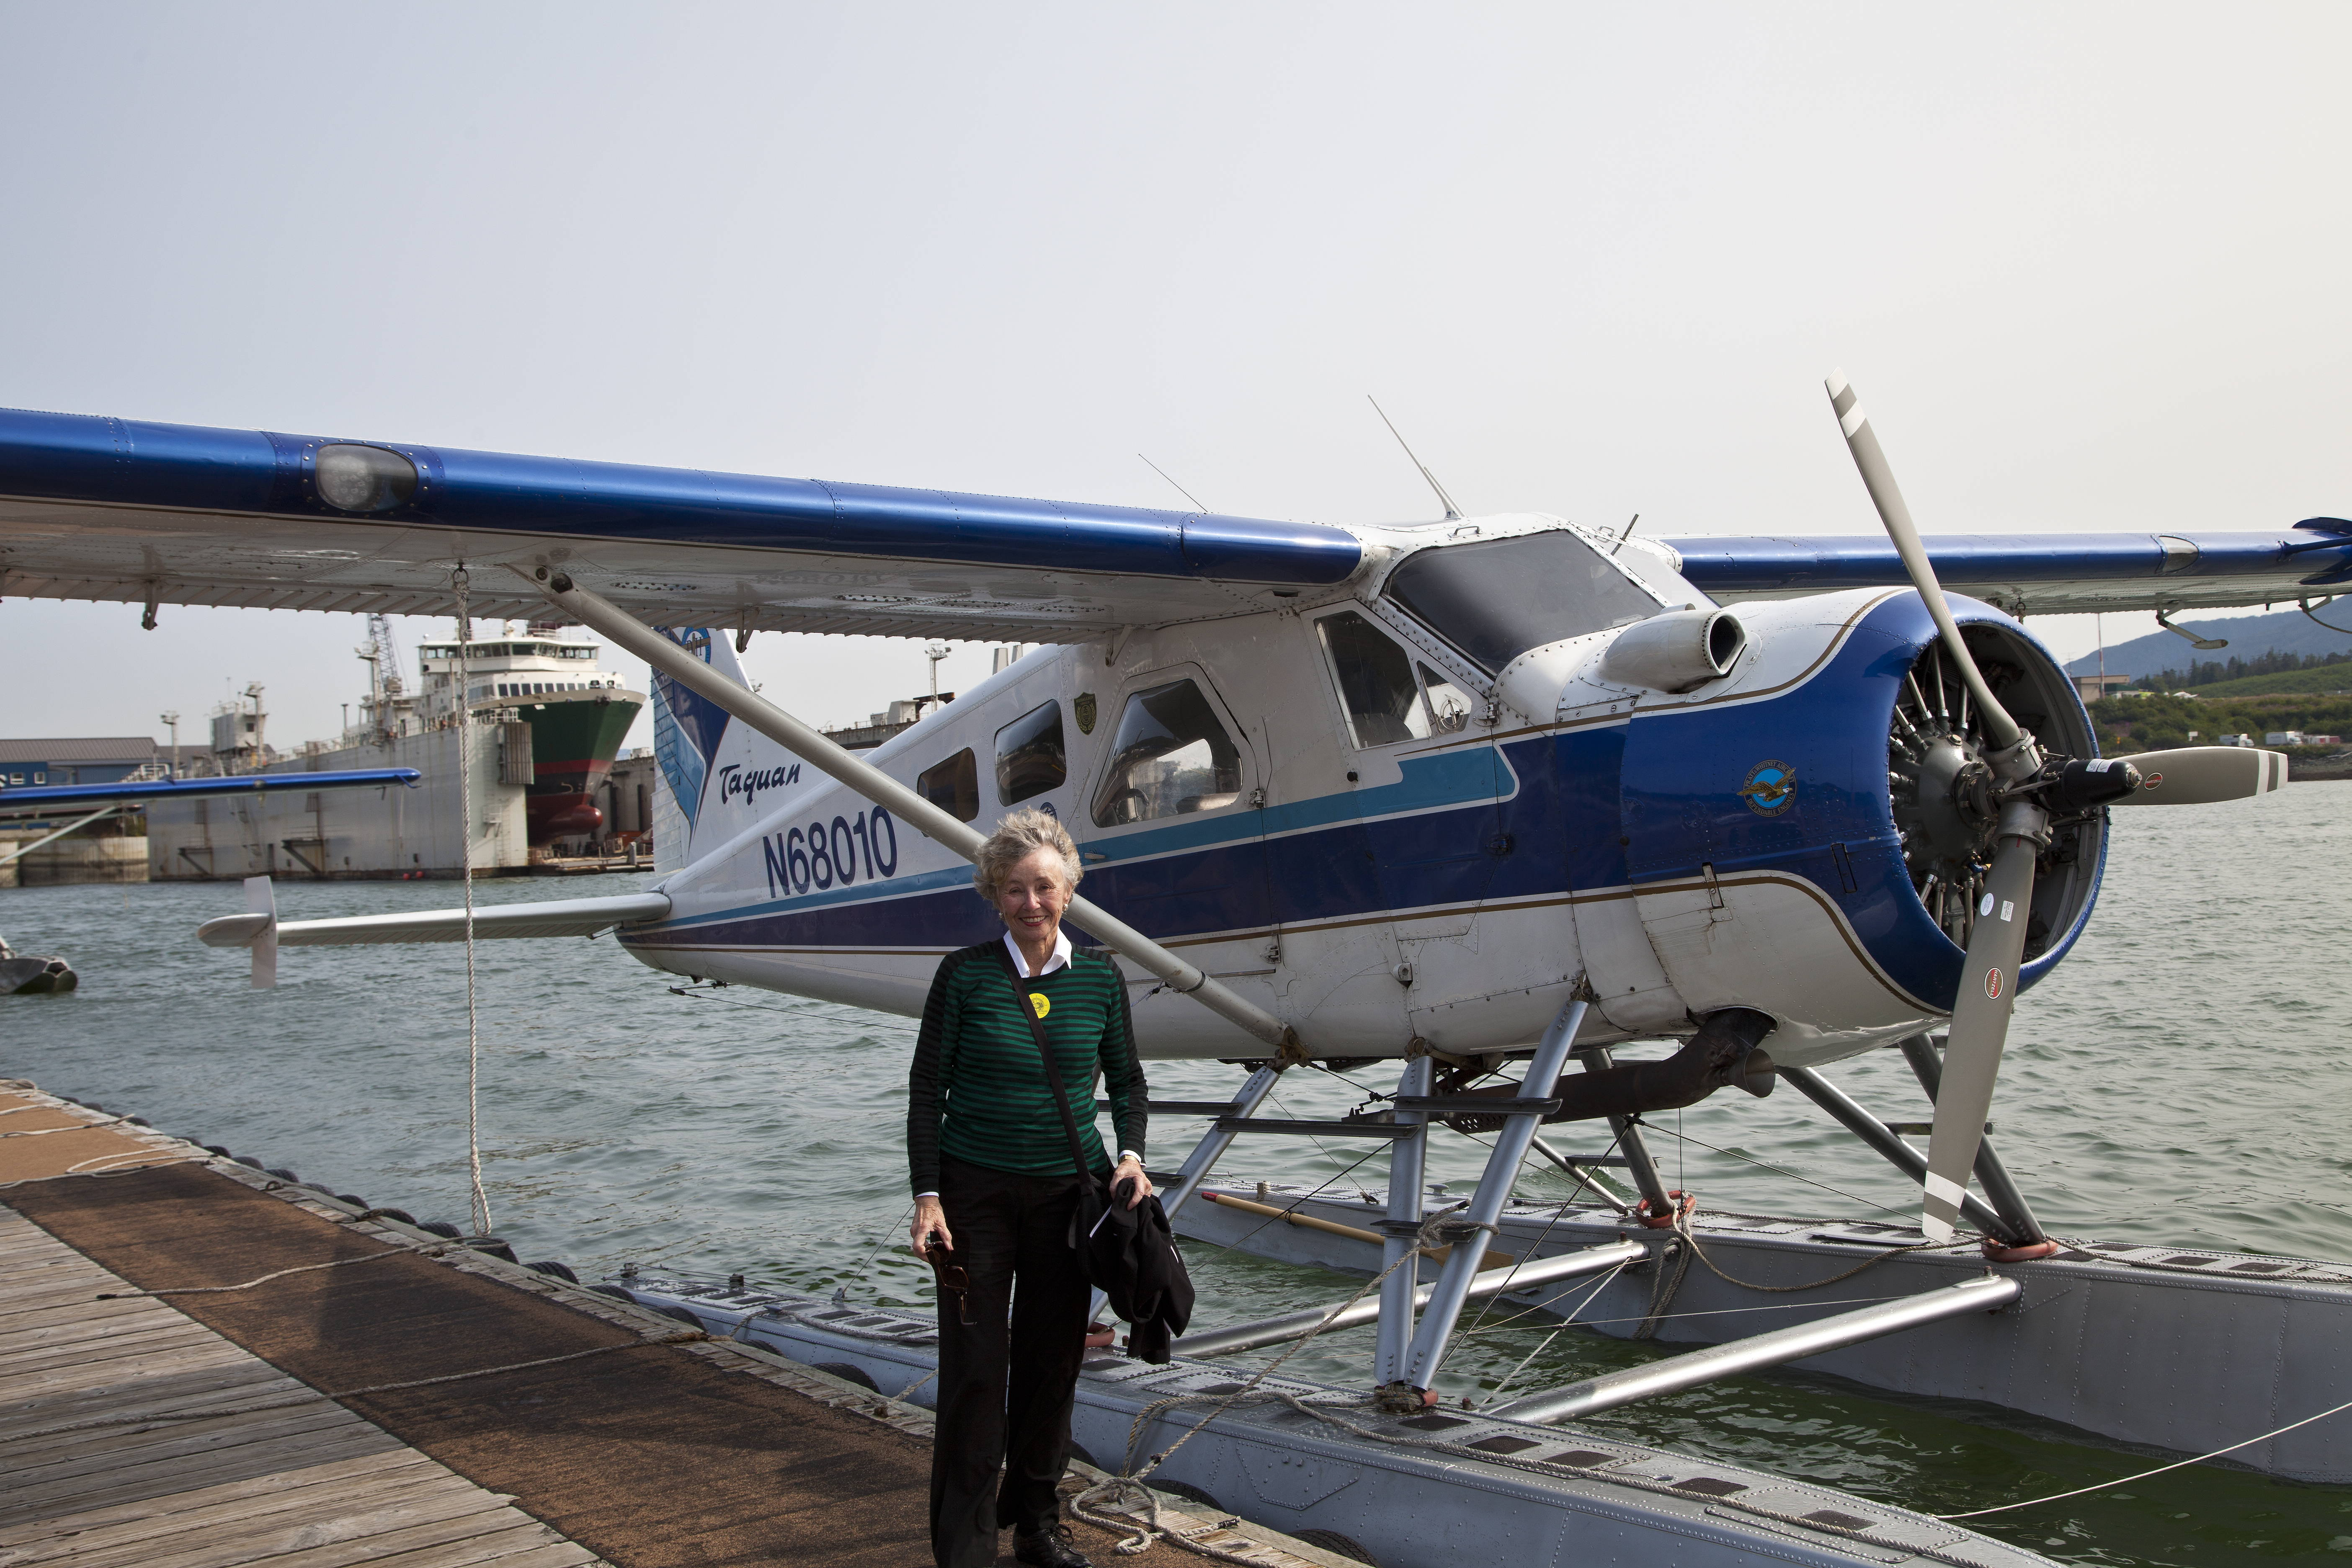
pixel 1498 598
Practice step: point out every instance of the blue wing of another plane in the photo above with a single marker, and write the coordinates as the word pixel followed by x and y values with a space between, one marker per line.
pixel 44 797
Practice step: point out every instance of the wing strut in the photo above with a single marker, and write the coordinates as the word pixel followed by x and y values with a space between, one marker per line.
pixel 601 616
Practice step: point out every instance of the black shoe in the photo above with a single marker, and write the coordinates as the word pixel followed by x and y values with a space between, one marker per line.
pixel 1049 1548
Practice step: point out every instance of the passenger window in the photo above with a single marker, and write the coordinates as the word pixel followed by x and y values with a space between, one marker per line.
pixel 1375 678
pixel 1029 756
pixel 1169 757
pixel 953 786
pixel 1449 705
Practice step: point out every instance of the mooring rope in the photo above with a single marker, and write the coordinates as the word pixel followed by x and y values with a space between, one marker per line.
pixel 266 1278
pixel 462 582
pixel 1130 1480
pixel 2127 1480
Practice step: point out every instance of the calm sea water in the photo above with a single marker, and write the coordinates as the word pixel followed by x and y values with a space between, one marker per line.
pixel 2182 1079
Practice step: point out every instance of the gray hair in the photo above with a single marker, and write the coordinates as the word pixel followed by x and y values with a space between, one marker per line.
pixel 1016 838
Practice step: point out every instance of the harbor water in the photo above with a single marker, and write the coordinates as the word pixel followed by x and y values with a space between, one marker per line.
pixel 2182 1078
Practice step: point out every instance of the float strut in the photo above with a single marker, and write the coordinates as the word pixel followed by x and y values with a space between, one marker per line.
pixel 1884 1139
pixel 1606 1393
pixel 1628 1133
pixel 1408 1158
pixel 1517 1279
pixel 2017 1215
pixel 1429 1340
pixel 1217 1139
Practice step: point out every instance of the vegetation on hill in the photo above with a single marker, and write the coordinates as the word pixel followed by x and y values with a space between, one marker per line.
pixel 2271 671
pixel 2321 680
pixel 2128 724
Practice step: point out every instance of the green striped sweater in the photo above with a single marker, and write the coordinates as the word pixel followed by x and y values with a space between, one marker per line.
pixel 977 1091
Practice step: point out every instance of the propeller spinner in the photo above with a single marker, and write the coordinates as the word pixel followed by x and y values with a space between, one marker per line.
pixel 1982 799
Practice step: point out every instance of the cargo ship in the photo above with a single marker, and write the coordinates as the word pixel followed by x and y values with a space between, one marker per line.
pixel 578 714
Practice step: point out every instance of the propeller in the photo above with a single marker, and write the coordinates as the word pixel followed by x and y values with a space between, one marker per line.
pixel 1997 939
pixel 2019 794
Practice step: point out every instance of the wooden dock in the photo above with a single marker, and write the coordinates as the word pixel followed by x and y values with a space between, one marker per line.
pixel 133 1436
pixel 412 1403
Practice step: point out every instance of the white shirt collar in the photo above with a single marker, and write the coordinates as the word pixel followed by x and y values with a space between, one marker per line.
pixel 1058 958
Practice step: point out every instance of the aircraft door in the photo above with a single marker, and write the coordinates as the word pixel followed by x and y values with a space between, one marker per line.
pixel 1425 787
pixel 1175 841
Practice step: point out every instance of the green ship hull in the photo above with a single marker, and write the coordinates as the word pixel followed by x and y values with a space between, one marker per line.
pixel 574 736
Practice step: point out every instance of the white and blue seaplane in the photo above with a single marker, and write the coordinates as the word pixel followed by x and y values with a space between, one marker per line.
pixel 1481 796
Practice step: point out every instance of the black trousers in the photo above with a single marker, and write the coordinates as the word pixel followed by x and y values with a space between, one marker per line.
pixel 1004 1399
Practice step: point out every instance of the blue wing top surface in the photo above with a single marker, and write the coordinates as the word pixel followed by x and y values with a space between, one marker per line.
pixel 2046 574
pixel 97 508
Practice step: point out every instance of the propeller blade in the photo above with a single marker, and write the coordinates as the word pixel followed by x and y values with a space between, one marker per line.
pixel 1980 1030
pixel 1879 480
pixel 2199 775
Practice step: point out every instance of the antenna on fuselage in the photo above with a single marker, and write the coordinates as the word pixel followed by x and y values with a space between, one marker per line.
pixel 1181 490
pixel 1624 536
pixel 1453 512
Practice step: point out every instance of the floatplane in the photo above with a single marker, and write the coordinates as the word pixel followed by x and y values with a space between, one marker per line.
pixel 1487 797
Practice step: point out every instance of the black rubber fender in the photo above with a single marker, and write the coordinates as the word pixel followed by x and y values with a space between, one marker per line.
pixel 1189 1493
pixel 848 1373
pixel 440 1228
pixel 615 1292
pixel 1340 1545
pixel 551 1268
pixel 680 1313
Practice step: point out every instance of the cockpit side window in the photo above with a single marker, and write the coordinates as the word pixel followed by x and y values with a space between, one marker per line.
pixel 1169 756
pixel 1030 760
pixel 1375 680
pixel 1495 599
pixel 953 785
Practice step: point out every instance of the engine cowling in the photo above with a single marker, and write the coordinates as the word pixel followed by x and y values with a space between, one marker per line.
pixel 1808 835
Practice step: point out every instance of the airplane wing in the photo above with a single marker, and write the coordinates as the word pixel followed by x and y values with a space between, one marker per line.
pixel 44 797
pixel 2048 574
pixel 104 509
pixel 553 917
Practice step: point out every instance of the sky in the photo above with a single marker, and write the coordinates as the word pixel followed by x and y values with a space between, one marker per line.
pixel 2083 263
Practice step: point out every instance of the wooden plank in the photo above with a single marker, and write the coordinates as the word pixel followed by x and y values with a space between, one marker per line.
pixel 41 1464
pixel 70 1331
pixel 36 1455
pixel 363 1471
pixel 335 1543
pixel 226 1384
pixel 113 1368
pixel 135 1338
pixel 184 1475
pixel 510 1549
pixel 468 1511
pixel 26 1317
pixel 174 1521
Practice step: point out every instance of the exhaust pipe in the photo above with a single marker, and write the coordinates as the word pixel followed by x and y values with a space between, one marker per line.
pixel 1723 1052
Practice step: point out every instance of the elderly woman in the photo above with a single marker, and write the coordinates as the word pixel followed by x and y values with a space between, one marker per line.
pixel 993 1181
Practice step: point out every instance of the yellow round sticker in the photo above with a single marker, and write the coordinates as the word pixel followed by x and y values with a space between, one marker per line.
pixel 1040 1003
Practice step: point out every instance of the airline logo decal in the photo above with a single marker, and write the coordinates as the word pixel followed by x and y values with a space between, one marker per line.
pixel 1772 788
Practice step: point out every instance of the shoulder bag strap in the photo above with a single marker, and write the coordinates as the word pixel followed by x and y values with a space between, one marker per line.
pixel 1045 1055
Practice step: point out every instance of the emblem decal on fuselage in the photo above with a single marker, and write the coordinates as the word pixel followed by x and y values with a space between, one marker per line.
pixel 1084 706
pixel 1772 788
